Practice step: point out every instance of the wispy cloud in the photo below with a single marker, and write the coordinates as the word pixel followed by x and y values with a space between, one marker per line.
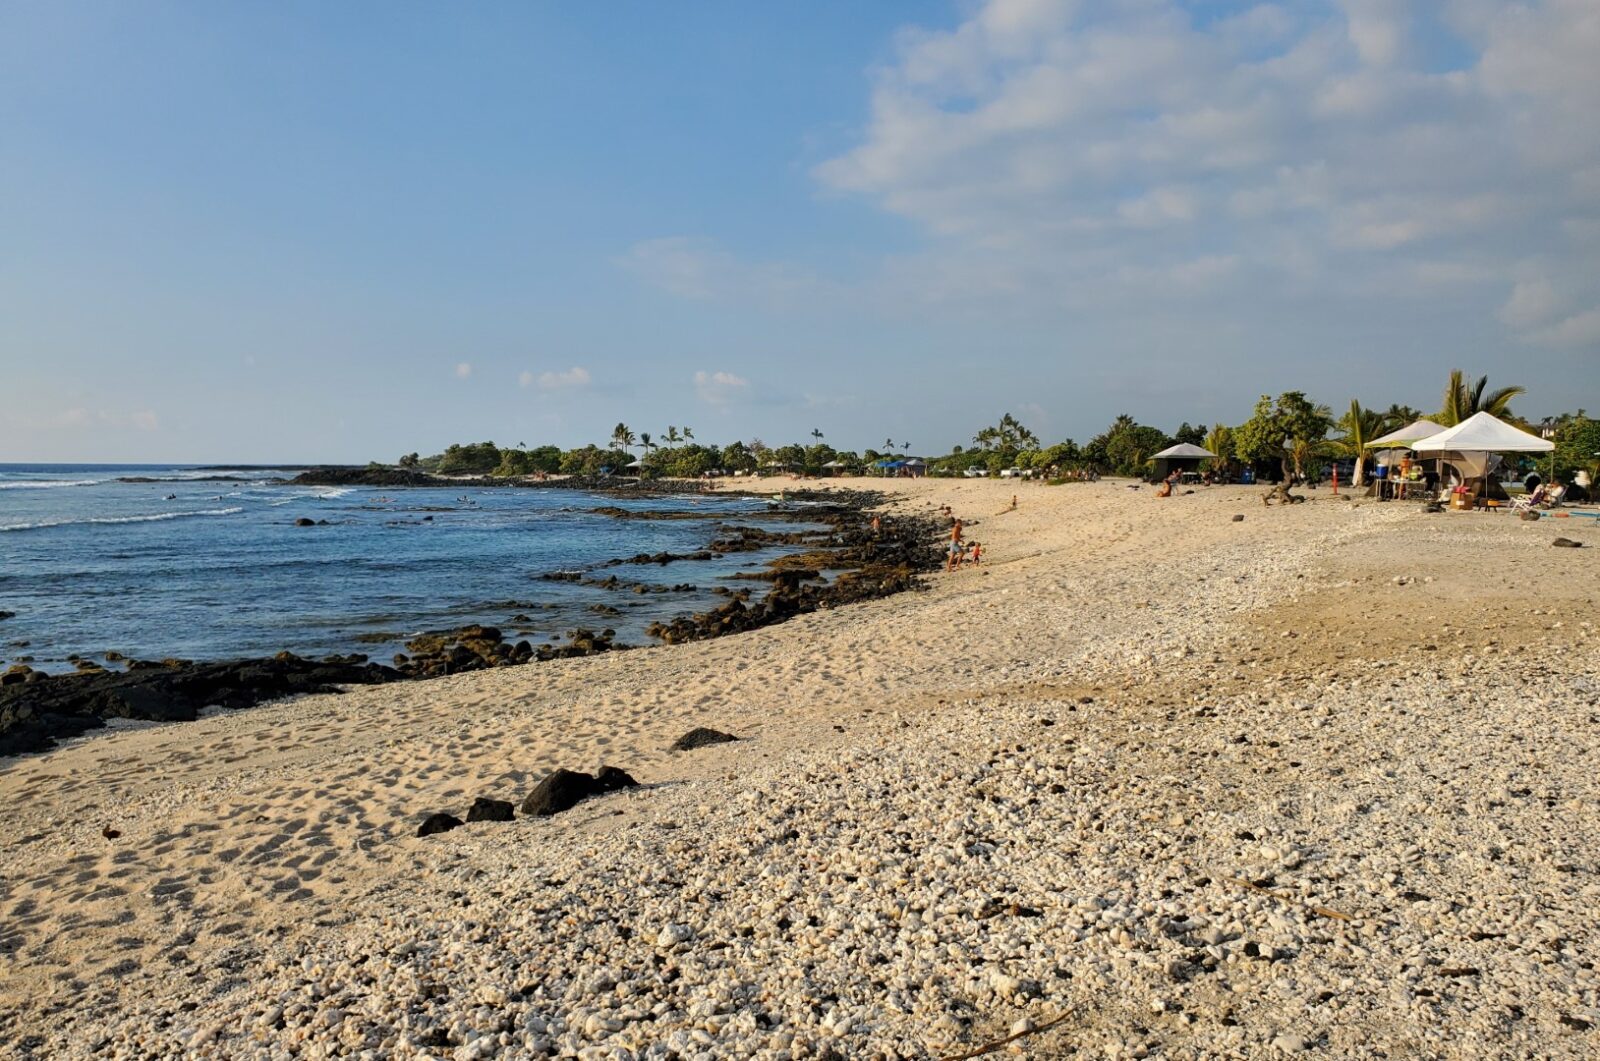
pixel 703 270
pixel 576 376
pixel 463 370
pixel 719 388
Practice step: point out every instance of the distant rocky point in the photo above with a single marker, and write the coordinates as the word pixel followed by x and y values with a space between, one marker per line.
pixel 369 475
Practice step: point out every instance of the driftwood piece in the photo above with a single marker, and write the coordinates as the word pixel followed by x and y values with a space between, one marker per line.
pixel 1322 911
pixel 991 1047
pixel 1281 494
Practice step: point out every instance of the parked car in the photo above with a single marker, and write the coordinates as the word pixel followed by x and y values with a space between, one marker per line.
pixel 976 473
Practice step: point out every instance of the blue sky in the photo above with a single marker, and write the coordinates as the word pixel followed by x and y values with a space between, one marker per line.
pixel 339 232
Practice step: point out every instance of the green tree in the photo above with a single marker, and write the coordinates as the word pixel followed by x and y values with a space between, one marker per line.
pixel 1361 426
pixel 1220 441
pixel 1288 431
pixel 410 460
pixel 474 458
pixel 736 457
pixel 622 437
pixel 1126 446
pixel 1462 400
pixel 1577 439
pixel 1191 434
pixel 1401 415
pixel 1008 436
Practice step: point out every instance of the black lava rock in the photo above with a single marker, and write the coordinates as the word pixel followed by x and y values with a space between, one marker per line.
pixel 701 737
pixel 485 809
pixel 33 712
pixel 438 823
pixel 564 789
pixel 1567 543
pixel 613 779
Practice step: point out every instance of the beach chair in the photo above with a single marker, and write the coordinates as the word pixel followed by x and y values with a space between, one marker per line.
pixel 1528 502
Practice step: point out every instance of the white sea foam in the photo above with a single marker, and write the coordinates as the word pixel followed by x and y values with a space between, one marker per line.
pixel 46 484
pixel 42 524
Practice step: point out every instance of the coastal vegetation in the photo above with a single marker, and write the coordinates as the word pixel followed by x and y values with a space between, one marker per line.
pixel 1291 436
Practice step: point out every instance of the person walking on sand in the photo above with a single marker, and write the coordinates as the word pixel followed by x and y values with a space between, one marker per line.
pixel 1013 502
pixel 956 546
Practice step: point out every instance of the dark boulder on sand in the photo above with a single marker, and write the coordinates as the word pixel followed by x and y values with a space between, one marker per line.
pixel 1567 543
pixel 438 823
pixel 701 737
pixel 484 809
pixel 564 789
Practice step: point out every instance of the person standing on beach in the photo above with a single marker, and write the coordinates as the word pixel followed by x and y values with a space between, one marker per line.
pixel 956 547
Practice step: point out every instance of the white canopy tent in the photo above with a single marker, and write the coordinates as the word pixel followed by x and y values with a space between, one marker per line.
pixel 1403 438
pixel 1472 443
pixel 1183 457
pixel 1183 450
pixel 1483 433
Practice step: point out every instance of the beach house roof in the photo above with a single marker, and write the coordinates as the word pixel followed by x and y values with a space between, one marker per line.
pixel 1180 451
pixel 1483 433
pixel 1415 431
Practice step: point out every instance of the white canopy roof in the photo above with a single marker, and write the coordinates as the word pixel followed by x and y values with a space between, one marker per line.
pixel 1415 431
pixel 1182 449
pixel 1482 433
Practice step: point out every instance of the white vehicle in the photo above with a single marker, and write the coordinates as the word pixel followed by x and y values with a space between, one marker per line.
pixel 976 473
pixel 1013 473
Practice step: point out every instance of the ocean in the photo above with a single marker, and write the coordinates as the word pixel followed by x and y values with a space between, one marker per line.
pixel 157 561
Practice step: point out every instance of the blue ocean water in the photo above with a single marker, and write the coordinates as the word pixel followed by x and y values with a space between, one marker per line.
pixel 159 561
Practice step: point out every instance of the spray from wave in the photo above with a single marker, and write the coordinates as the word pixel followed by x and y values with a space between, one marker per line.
pixel 47 484
pixel 47 523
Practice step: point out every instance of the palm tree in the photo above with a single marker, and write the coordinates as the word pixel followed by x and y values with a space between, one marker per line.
pixel 1401 415
pixel 622 437
pixel 816 433
pixel 1462 401
pixel 1361 426
pixel 688 434
pixel 888 444
pixel 672 435
pixel 645 443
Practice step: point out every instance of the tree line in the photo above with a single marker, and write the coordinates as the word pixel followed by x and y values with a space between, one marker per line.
pixel 1290 434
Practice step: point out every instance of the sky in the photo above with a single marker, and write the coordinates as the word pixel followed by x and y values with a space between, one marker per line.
pixel 342 232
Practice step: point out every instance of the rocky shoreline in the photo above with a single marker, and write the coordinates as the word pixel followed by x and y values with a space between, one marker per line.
pixel 38 709
pixel 380 475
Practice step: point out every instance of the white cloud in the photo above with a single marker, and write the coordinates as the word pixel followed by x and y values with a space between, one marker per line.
pixel 701 269
pixel 575 376
pixel 1578 330
pixel 719 388
pixel 1061 153
pixel 1531 302
pixel 525 379
pixel 463 370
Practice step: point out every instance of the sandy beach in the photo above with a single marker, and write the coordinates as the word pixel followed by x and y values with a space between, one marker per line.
pixel 1151 781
